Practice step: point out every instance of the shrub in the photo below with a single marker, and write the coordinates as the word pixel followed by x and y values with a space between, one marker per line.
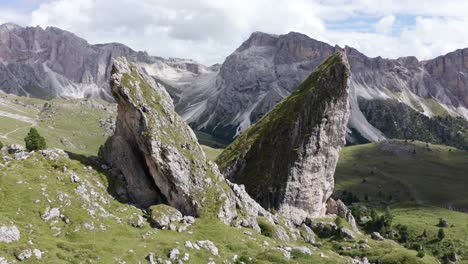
pixel 267 228
pixel 421 253
pixel 339 221
pixel 34 141
pixel 1 145
pixel 404 235
pixel 441 234
pixel 442 223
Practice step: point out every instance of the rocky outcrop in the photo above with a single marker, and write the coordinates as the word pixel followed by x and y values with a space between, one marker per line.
pixel 153 148
pixel 160 159
pixel 287 159
pixel 340 209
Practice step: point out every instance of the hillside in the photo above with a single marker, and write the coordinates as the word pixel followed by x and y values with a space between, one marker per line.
pixel 394 171
pixel 79 125
pixel 69 219
pixel 417 181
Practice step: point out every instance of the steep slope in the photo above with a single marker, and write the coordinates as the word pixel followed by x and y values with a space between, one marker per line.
pixel 48 63
pixel 76 125
pixel 287 159
pixel 252 80
pixel 266 68
pixel 57 208
pixel 159 158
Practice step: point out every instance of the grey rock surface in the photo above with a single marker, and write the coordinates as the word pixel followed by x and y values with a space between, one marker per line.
pixel 266 68
pixel 9 234
pixel 51 62
pixel 287 160
pixel 160 158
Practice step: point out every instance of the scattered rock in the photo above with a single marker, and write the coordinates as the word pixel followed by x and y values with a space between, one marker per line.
pixel 9 234
pixel 340 209
pixel 54 154
pixel 151 258
pixel 3 260
pixel 137 221
pixel 207 244
pixel 376 236
pixel 186 257
pixel 37 253
pixel 74 177
pixel 307 234
pixel 188 244
pixel 304 250
pixel 346 233
pixel 174 254
pixel 50 213
pixel 24 254
pixel 15 148
pixel 163 215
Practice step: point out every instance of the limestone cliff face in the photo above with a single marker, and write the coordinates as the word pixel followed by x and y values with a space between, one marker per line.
pixel 287 159
pixel 51 62
pixel 159 157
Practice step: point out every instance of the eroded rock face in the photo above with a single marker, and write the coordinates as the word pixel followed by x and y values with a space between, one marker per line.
pixel 160 158
pixel 154 149
pixel 287 160
pixel 51 62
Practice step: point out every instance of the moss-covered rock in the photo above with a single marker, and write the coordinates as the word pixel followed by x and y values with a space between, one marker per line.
pixel 162 215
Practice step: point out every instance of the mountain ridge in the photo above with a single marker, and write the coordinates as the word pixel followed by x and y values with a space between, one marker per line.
pixel 225 99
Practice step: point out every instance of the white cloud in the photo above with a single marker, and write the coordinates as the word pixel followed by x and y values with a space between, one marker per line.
pixel 209 30
pixel 385 24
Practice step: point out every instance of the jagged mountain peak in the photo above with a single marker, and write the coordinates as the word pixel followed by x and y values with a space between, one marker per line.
pixel 287 159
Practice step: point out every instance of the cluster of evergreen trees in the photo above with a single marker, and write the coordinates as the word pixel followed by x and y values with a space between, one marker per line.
pixel 397 120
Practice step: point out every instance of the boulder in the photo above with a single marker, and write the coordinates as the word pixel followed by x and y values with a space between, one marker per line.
pixel 9 234
pixel 23 254
pixel 340 209
pixel 15 148
pixel 376 236
pixel 163 215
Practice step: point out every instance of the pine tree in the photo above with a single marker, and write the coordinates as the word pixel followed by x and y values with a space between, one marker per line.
pixel 34 141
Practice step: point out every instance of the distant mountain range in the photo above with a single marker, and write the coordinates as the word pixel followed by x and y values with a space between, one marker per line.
pixel 224 100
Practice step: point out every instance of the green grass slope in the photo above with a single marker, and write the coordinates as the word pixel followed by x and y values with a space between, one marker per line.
pixel 412 178
pixel 396 171
pixel 93 227
pixel 78 125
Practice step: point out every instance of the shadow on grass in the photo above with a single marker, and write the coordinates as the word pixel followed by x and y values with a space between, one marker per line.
pixel 96 163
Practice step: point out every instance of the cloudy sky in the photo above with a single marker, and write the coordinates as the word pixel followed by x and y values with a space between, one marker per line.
pixel 209 30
